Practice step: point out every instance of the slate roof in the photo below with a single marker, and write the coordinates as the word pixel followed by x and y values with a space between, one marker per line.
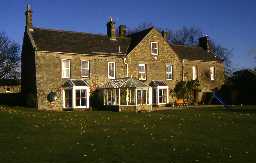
pixel 124 83
pixel 87 43
pixel 156 83
pixel 77 42
pixel 194 53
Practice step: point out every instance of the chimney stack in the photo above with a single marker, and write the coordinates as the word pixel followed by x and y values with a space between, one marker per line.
pixel 165 35
pixel 111 30
pixel 122 31
pixel 28 15
pixel 204 43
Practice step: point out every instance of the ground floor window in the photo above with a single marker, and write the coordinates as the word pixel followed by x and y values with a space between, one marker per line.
pixel 68 98
pixel 81 97
pixel 141 97
pixel 128 96
pixel 162 96
pixel 111 97
pixel 76 98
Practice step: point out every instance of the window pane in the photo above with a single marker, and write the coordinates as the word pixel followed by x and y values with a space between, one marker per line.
pixel 141 68
pixel 194 73
pixel 212 71
pixel 65 68
pixel 68 98
pixel 154 48
pixel 83 101
pixel 139 97
pixel 85 64
pixel 144 97
pixel 123 96
pixel 78 97
pixel 66 63
pixel 132 97
pixel 111 70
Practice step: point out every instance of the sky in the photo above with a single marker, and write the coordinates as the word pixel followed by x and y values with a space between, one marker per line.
pixel 231 23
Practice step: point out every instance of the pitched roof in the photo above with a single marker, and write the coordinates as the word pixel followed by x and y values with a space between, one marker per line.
pixel 194 53
pixel 80 42
pixel 87 43
pixel 75 82
pixel 124 83
pixel 77 42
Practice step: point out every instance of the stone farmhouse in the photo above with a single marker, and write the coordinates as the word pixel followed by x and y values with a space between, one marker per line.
pixel 65 70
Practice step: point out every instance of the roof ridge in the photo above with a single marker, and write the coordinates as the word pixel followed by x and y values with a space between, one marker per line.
pixel 141 31
pixel 186 46
pixel 68 31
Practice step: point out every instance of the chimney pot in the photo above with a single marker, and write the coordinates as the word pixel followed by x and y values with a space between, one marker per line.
pixel 204 43
pixel 28 15
pixel 122 31
pixel 111 30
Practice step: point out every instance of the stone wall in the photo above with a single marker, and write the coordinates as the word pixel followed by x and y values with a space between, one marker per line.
pixel 203 67
pixel 48 74
pixel 10 89
pixel 156 68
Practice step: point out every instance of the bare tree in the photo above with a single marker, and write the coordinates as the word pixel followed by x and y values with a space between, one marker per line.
pixel 9 58
pixel 186 36
pixel 140 27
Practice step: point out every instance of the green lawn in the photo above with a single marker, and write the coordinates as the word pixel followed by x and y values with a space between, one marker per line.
pixel 212 135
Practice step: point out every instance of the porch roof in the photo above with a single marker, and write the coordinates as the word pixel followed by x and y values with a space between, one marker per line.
pixel 124 83
pixel 156 83
pixel 75 82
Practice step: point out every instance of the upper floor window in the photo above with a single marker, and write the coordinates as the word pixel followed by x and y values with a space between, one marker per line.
pixel 154 48
pixel 65 65
pixel 85 69
pixel 111 70
pixel 212 73
pixel 194 73
pixel 169 71
pixel 142 72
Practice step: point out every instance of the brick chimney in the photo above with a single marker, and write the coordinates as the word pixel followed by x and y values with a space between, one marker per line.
pixel 122 31
pixel 28 15
pixel 165 35
pixel 111 30
pixel 204 43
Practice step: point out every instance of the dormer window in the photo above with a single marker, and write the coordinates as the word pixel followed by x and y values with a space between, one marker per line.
pixel 154 48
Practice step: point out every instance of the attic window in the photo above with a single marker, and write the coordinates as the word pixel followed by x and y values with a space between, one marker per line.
pixel 154 48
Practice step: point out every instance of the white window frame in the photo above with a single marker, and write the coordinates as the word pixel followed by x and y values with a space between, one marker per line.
pixel 74 96
pixel 142 72
pixel 63 69
pixel 141 97
pixel 194 73
pixel 74 88
pixel 212 73
pixel 154 48
pixel 112 77
pixel 158 88
pixel 85 68
pixel 171 72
